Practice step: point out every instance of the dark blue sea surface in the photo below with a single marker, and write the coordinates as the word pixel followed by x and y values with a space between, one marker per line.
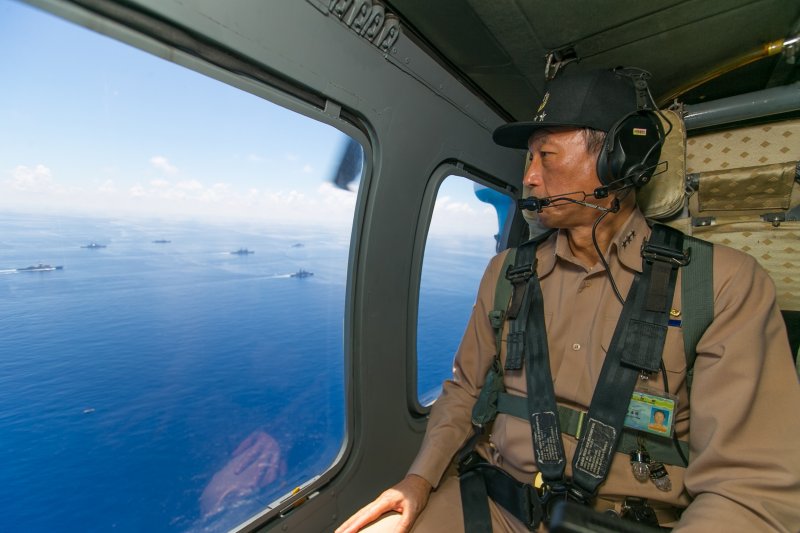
pixel 452 270
pixel 129 379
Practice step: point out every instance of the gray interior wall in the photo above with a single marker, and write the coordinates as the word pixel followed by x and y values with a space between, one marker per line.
pixel 415 116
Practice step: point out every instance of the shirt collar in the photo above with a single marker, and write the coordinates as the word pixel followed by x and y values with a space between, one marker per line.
pixel 626 245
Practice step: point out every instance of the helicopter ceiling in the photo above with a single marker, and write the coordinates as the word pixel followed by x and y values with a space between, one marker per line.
pixel 695 49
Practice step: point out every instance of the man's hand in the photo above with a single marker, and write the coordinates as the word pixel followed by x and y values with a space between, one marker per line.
pixel 408 498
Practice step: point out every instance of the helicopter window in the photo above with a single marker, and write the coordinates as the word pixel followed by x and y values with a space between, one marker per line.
pixel 171 302
pixel 468 219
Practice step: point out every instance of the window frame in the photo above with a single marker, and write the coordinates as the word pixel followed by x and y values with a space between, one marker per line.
pixel 155 37
pixel 438 176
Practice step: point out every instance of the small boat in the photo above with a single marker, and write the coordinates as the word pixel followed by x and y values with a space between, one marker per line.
pixel 161 241
pixel 242 251
pixel 94 245
pixel 41 267
pixel 302 274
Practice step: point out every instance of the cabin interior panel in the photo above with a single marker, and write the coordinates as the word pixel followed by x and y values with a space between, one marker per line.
pixel 425 102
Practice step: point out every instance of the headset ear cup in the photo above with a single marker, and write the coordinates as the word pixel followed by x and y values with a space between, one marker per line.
pixel 631 151
pixel 604 172
pixel 602 166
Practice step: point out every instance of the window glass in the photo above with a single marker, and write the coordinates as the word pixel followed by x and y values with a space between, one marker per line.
pixel 172 282
pixel 467 222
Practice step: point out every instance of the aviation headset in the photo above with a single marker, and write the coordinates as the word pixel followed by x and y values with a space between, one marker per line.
pixel 632 147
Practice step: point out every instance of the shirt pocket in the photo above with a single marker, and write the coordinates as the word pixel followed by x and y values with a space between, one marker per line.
pixel 672 355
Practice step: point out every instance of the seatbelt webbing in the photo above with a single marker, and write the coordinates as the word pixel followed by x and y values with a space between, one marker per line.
pixel 527 338
pixel 519 499
pixel 636 346
pixel 474 502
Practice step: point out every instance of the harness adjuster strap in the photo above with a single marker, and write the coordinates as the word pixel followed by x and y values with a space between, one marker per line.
pixel 519 277
pixel 520 274
pixel 520 499
pixel 468 461
pixel 655 252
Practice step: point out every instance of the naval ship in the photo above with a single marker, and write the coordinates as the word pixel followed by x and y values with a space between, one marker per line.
pixel 41 267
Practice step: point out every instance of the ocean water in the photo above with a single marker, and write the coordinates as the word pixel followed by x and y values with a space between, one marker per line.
pixel 451 273
pixel 129 379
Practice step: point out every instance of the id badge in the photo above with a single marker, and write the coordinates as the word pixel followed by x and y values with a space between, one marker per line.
pixel 652 412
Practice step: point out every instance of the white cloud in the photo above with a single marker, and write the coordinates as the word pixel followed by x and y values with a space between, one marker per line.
pixel 452 217
pixel 162 163
pixel 447 205
pixel 189 185
pixel 36 179
pixel 324 204
pixel 107 187
pixel 308 169
pixel 284 198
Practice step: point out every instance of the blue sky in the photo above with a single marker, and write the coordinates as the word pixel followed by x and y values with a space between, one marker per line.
pixel 94 125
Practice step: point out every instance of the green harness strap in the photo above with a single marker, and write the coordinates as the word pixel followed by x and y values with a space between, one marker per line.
pixel 697 299
pixel 502 295
pixel 485 408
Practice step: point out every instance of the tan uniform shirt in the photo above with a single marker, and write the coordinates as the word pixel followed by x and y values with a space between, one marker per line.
pixel 744 471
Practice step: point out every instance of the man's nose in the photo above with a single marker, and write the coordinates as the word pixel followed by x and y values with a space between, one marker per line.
pixel 533 171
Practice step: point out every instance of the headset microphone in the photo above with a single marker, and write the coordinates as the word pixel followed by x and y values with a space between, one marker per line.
pixel 533 203
pixel 600 192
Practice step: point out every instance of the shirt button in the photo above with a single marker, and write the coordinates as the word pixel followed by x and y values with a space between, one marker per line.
pixel 576 346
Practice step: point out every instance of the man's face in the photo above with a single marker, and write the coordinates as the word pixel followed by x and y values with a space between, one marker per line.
pixel 560 164
pixel 658 416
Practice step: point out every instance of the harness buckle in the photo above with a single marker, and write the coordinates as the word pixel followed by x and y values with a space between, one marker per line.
pixel 578 495
pixel 563 491
pixel 549 495
pixel 521 274
pixel 468 461
pixel 638 510
pixel 534 506
pixel 654 252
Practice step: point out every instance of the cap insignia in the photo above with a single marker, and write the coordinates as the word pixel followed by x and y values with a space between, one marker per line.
pixel 544 102
pixel 540 114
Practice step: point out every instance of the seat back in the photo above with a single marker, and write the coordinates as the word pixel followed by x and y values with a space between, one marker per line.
pixel 745 193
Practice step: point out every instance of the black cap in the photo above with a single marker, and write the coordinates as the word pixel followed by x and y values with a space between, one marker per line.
pixel 595 99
